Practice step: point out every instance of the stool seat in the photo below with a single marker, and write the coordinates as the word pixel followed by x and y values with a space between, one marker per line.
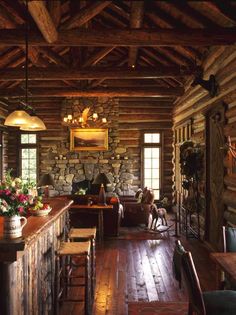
pixel 83 233
pixel 74 248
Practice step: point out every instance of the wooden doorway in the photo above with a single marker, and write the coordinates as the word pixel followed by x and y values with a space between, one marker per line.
pixel 215 121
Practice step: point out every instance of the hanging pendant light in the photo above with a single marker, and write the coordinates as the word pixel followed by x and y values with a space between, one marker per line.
pixel 20 118
pixel 17 118
pixel 35 124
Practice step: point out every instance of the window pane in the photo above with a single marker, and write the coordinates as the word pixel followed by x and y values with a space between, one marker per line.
pixel 147 138
pixel 32 138
pixel 157 194
pixel 155 183
pixel 147 173
pixel 29 164
pixel 152 164
pixel 152 138
pixel 155 173
pixel 147 163
pixel 24 138
pixel 155 152
pixel 147 183
pixel 147 153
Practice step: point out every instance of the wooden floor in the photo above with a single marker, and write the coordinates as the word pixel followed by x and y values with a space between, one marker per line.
pixel 141 270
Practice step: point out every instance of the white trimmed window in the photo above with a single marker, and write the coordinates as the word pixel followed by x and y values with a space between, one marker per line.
pixel 151 160
pixel 28 156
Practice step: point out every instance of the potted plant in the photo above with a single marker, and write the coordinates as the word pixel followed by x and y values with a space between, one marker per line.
pixel 14 202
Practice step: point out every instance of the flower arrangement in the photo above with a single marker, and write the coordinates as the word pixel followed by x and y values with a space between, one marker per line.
pixel 14 196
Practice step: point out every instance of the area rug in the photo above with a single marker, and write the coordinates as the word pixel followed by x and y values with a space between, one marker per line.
pixel 140 233
pixel 157 308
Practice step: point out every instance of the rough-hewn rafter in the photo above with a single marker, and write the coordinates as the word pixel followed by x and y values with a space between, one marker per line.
pixel 136 21
pixel 54 8
pixel 120 37
pixel 96 57
pixel 43 20
pixel 86 14
pixel 93 73
pixel 111 92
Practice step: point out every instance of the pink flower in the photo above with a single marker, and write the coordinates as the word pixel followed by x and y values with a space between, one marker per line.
pixel 7 192
pixel 20 209
pixel 22 197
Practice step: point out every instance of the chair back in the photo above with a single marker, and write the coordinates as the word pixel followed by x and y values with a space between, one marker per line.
pixel 229 239
pixel 196 302
pixel 177 261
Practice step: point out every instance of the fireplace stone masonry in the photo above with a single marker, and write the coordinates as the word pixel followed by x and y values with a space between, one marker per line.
pixel 69 167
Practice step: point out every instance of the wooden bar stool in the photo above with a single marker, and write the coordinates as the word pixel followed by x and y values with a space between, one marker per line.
pixel 73 262
pixel 87 234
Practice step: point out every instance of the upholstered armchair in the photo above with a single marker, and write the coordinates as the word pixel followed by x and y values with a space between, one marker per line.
pixel 137 211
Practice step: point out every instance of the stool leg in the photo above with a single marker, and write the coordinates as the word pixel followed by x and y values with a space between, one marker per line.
pixel 93 264
pixel 57 285
pixel 87 286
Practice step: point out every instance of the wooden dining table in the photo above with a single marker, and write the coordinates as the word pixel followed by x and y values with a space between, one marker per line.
pixel 225 262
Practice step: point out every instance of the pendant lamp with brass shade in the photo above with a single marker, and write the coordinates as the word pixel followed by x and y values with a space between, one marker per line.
pixel 35 124
pixel 20 118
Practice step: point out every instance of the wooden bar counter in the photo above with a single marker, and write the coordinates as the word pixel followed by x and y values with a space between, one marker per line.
pixel 27 264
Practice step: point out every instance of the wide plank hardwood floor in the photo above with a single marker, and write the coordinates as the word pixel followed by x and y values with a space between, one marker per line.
pixel 141 270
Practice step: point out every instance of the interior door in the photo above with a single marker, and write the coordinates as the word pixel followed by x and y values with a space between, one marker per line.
pixel 215 120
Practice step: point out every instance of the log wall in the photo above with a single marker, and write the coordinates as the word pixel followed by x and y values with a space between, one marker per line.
pixel 142 114
pixel 135 116
pixel 221 61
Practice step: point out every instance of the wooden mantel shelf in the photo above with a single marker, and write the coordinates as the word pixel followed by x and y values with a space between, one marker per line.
pixel 11 250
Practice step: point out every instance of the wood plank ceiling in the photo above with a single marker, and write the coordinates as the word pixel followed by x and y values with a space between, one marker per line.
pixel 109 48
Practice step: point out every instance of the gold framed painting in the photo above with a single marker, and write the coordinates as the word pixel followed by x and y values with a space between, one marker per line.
pixel 83 139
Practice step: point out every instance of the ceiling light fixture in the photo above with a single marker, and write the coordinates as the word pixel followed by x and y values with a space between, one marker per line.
pixel 20 118
pixel 86 119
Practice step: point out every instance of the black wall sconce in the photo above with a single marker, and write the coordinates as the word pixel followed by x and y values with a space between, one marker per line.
pixel 209 85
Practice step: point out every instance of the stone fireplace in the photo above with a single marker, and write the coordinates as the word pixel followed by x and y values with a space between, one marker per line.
pixel 69 168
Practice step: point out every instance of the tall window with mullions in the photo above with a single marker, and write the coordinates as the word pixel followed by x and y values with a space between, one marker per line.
pixel 151 156
pixel 28 156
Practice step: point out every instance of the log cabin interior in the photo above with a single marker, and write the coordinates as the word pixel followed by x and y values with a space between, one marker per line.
pixel 129 94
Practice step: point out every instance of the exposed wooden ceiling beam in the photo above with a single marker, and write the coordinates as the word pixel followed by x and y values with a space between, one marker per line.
pixel 121 37
pixel 43 20
pixel 53 73
pixel 96 57
pixel 54 9
pixel 136 21
pixel 86 14
pixel 111 92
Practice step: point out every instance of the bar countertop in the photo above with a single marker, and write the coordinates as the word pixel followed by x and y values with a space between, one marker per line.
pixel 11 250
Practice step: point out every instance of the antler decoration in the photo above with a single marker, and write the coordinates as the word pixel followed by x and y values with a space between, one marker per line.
pixel 84 116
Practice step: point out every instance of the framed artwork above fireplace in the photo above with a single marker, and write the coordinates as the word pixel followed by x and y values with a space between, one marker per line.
pixel 84 139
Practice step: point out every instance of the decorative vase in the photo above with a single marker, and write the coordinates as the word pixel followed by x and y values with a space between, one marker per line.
pixel 12 227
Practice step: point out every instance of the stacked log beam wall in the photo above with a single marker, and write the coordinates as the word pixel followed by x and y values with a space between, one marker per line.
pixel 4 140
pixel 221 61
pixel 135 116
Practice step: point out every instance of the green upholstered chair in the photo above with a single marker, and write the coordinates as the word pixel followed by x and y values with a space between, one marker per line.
pixel 205 303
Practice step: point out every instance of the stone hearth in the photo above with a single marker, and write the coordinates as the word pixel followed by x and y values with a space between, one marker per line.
pixel 69 167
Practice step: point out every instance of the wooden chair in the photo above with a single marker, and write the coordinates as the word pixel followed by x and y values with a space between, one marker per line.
pixel 205 303
pixel 229 245
pixel 177 261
